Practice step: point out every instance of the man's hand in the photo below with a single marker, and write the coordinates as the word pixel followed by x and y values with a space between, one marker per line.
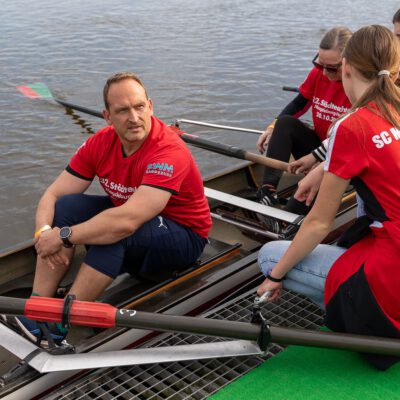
pixel 48 243
pixel 274 287
pixel 302 165
pixel 264 138
pixel 309 185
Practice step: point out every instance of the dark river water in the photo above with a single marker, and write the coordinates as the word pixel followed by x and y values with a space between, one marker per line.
pixel 221 61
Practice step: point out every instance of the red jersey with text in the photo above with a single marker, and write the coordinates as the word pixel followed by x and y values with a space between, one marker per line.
pixel 328 98
pixel 366 148
pixel 163 161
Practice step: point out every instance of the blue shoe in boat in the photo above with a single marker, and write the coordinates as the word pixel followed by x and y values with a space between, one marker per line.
pixel 41 333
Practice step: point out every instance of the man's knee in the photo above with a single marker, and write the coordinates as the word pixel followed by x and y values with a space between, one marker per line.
pixel 65 207
pixel 73 209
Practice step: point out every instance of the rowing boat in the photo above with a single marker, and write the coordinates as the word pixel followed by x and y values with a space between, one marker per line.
pixel 227 268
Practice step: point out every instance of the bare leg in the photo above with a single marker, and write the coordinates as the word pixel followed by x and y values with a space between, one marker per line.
pixel 89 283
pixel 47 279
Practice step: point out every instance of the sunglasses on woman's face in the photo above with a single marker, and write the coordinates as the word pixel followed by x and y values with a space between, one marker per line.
pixel 330 69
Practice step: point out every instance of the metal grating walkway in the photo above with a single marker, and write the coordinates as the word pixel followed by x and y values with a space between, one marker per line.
pixel 191 379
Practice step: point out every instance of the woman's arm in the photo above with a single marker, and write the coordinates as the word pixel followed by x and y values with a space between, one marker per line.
pixel 313 230
pixel 297 107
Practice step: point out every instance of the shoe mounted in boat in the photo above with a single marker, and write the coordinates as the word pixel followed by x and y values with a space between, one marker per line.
pixel 42 333
pixel 267 197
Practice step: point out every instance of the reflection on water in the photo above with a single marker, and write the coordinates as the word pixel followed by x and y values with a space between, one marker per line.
pixel 221 61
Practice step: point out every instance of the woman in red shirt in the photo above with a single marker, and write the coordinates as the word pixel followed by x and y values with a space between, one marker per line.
pixel 323 91
pixel 360 284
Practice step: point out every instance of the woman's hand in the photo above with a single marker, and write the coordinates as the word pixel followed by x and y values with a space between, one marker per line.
pixel 302 165
pixel 275 289
pixel 264 138
pixel 309 185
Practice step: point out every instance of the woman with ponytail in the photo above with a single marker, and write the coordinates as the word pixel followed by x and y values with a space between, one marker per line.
pixel 359 286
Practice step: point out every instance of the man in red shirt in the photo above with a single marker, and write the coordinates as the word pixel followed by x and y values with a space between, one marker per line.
pixel 154 219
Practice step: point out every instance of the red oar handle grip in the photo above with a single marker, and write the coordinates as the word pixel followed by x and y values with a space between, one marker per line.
pixel 81 312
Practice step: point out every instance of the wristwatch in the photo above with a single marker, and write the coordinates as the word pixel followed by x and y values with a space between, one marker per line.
pixel 64 234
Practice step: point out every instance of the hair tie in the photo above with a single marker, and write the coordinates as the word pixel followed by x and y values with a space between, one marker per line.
pixel 384 72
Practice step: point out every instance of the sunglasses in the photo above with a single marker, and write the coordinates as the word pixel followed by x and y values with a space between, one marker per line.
pixel 331 70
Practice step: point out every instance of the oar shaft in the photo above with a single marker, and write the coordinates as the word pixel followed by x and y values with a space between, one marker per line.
pixel 12 306
pixel 219 148
pixel 192 325
pixel 79 108
pixel 334 340
pixel 105 315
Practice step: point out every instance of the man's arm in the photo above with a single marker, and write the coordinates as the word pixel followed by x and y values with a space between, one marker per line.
pixel 117 223
pixel 64 184
pixel 112 224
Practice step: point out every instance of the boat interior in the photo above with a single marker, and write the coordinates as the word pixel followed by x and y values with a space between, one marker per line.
pixel 226 270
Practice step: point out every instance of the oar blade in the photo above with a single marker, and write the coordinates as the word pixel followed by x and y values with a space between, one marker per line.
pixel 36 91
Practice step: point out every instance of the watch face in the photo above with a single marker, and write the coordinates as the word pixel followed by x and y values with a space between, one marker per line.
pixel 65 232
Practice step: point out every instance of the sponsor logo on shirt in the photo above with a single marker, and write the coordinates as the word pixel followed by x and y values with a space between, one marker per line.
pixel 328 111
pixel 160 169
pixel 117 190
pixel 385 138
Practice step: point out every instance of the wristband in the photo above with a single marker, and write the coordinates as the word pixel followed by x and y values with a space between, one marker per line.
pixel 40 230
pixel 272 124
pixel 272 279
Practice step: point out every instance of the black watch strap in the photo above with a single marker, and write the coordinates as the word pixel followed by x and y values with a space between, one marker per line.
pixel 65 234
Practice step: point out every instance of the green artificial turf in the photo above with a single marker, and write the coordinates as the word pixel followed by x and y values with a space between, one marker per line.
pixel 307 373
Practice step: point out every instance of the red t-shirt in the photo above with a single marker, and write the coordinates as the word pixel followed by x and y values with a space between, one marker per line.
pixel 365 146
pixel 163 161
pixel 329 100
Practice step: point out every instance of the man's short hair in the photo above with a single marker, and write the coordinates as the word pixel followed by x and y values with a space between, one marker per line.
pixel 396 16
pixel 117 77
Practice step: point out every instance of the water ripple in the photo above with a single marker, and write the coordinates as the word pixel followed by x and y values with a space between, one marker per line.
pixel 221 61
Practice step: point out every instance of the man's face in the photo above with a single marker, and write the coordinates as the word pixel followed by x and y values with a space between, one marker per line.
pixel 129 112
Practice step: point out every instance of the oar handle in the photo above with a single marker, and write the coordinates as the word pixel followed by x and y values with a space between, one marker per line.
pixel 268 162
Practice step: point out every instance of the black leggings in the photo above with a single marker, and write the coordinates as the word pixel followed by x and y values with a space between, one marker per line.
pixel 290 136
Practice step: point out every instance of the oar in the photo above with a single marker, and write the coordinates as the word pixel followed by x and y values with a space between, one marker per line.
pixel 107 316
pixel 290 89
pixel 41 91
pixel 231 151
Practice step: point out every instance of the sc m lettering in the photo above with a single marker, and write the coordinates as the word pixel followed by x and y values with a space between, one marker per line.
pixel 382 139
pixel 395 132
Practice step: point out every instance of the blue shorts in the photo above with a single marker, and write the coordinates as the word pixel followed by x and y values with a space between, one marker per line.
pixel 156 250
